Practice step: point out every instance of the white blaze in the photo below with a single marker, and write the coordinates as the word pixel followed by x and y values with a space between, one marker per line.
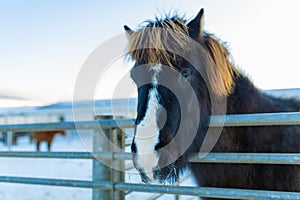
pixel 147 131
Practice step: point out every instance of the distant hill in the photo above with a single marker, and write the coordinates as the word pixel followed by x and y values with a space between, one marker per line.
pixel 295 92
pixel 104 106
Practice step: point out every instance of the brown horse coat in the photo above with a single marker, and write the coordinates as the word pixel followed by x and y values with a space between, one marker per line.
pixel 46 136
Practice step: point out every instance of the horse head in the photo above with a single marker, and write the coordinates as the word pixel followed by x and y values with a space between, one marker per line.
pixel 174 103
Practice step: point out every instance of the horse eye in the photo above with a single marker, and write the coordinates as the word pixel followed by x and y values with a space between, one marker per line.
pixel 185 73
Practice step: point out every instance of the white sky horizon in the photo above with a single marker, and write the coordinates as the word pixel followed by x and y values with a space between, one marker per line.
pixel 43 44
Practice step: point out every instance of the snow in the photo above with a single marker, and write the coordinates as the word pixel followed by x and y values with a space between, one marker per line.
pixel 45 168
pixel 74 169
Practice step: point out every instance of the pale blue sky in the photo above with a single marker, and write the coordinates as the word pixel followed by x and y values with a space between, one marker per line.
pixel 44 43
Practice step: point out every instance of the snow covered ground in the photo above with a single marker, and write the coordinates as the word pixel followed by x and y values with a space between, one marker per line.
pixel 77 169
pixel 45 168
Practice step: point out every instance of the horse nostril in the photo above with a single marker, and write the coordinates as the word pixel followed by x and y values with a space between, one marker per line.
pixel 133 147
pixel 158 146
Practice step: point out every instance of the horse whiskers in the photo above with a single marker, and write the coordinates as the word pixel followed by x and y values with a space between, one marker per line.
pixel 175 173
pixel 172 176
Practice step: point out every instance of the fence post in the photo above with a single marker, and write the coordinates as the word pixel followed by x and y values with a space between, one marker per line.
pixel 9 140
pixel 118 139
pixel 101 172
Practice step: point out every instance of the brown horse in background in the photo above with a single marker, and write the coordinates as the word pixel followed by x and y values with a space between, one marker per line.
pixel 46 136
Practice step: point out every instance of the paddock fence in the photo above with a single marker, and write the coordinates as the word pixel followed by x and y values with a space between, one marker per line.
pixel 112 185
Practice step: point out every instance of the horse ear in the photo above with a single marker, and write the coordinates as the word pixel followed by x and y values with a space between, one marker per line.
pixel 128 31
pixel 196 25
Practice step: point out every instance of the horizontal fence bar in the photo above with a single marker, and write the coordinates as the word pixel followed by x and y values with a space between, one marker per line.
pixel 261 119
pixel 58 182
pixel 67 155
pixel 247 158
pixel 243 158
pixel 124 123
pixel 192 191
pixel 208 192
pixel 291 118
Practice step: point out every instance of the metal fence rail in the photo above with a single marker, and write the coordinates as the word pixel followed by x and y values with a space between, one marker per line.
pixel 261 119
pixel 229 120
pixel 191 191
pixel 209 192
pixel 244 158
pixel 289 118
pixel 104 185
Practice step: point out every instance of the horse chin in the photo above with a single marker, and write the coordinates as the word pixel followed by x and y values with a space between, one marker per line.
pixel 166 175
pixel 162 176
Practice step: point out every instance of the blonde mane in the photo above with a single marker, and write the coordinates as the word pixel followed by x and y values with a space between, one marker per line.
pixel 225 69
pixel 159 41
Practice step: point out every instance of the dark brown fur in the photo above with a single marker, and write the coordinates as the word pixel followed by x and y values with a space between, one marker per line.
pixel 242 98
pixel 246 99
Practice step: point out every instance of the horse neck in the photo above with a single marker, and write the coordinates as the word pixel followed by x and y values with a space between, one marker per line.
pixel 245 97
pixel 61 132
